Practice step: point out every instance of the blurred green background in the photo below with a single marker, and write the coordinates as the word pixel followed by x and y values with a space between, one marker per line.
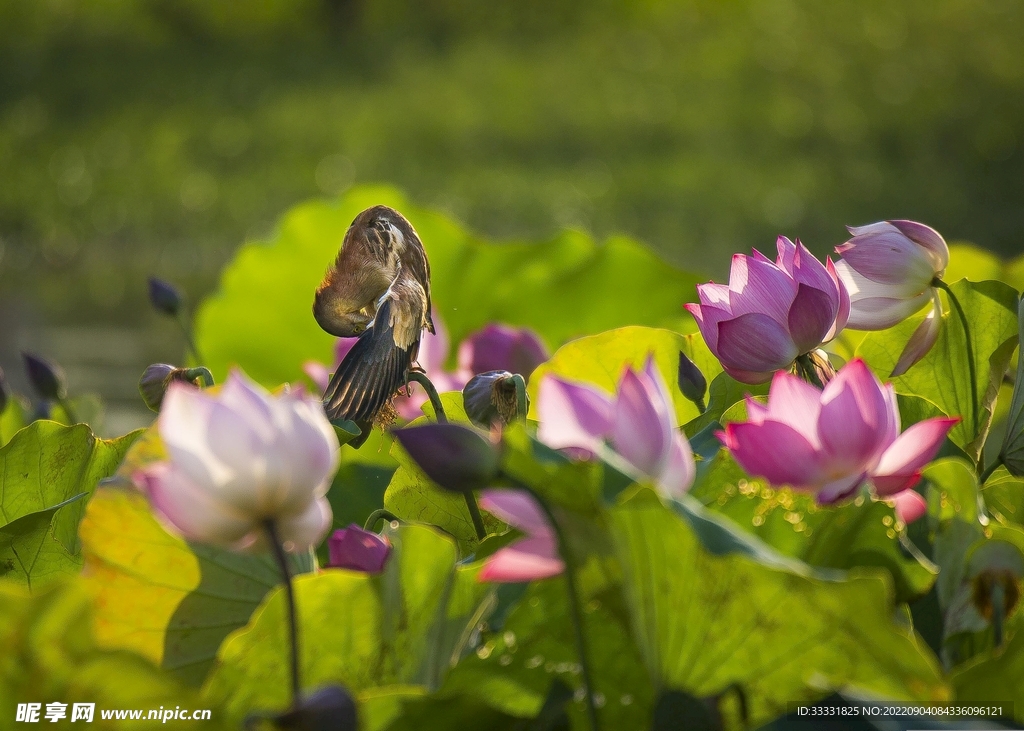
pixel 146 137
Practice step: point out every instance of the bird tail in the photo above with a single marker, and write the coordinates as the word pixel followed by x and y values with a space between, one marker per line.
pixel 370 374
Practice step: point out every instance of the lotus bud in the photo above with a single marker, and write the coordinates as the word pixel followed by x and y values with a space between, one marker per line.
pixel 331 708
pixel 1012 451
pixel 888 269
pixel 495 397
pixel 164 297
pixel 5 392
pixel 691 381
pixel 46 377
pixel 157 377
pixel 456 457
pixel 357 549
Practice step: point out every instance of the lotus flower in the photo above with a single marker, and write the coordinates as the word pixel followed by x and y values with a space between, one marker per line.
pixel 358 550
pixel 510 348
pixel 535 556
pixel 637 423
pixel 889 269
pixel 240 458
pixel 770 313
pixel 831 441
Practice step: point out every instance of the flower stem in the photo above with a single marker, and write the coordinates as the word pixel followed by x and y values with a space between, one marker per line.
pixel 805 369
pixel 68 411
pixel 200 372
pixel 376 515
pixel 983 478
pixel 420 377
pixel 522 400
pixel 293 625
pixel 474 514
pixel 189 340
pixel 575 610
pixel 970 346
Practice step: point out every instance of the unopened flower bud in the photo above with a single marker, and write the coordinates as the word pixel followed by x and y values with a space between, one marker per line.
pixel 691 381
pixel 456 457
pixel 46 377
pixel 331 708
pixel 495 396
pixel 357 549
pixel 157 377
pixel 164 297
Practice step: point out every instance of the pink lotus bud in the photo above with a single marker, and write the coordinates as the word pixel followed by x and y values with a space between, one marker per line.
pixel 770 313
pixel 239 458
pixel 357 549
pixel 832 441
pixel 888 268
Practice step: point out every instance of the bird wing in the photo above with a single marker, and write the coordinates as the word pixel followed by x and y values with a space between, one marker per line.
pixel 417 268
pixel 370 373
pixel 378 364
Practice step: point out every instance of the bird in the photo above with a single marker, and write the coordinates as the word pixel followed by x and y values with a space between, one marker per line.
pixel 378 289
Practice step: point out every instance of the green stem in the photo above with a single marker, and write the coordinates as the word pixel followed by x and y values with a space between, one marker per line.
pixel 575 609
pixel 522 400
pixel 474 513
pixel 970 347
pixel 189 340
pixel 200 372
pixel 420 377
pixel 701 407
pixel 805 369
pixel 293 625
pixel 376 515
pixel 988 472
pixel 68 411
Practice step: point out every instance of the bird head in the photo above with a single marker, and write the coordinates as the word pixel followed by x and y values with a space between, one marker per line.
pixel 365 267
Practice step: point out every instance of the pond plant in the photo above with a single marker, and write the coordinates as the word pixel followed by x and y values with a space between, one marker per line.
pixel 626 500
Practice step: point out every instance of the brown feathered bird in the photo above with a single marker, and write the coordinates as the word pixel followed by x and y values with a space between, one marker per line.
pixel 379 289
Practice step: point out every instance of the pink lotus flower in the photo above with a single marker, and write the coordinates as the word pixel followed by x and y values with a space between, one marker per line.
pixel 770 313
pixel 637 424
pixel 831 441
pixel 535 556
pixel 358 550
pixel 239 458
pixel 495 347
pixel 888 269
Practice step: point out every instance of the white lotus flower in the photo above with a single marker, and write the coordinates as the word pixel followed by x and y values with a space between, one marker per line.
pixel 240 458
